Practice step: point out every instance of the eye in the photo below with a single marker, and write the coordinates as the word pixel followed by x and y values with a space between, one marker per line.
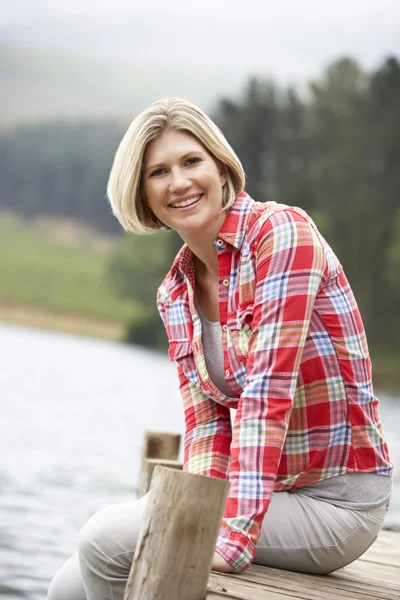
pixel 157 172
pixel 192 160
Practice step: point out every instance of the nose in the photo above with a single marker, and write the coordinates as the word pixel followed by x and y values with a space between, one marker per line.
pixel 179 181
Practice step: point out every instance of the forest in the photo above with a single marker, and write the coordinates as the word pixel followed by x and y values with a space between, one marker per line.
pixel 333 150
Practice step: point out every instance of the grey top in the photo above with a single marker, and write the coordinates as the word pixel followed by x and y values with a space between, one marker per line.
pixel 213 353
pixel 357 491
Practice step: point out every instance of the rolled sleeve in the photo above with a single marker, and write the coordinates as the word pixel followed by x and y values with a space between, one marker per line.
pixel 208 432
pixel 289 265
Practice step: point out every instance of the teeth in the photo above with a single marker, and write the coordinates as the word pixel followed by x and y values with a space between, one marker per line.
pixel 185 202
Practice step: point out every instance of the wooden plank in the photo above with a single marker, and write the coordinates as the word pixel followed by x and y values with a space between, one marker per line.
pixel 287 584
pixel 282 588
pixel 374 576
pixel 228 591
pixel 370 573
pixel 300 591
pixel 385 550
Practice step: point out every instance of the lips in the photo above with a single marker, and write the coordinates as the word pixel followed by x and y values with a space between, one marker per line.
pixel 185 202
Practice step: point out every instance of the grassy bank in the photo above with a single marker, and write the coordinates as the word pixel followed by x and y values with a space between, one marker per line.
pixel 55 276
pixel 32 316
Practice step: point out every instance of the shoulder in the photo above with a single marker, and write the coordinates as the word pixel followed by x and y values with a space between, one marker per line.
pixel 284 238
pixel 282 223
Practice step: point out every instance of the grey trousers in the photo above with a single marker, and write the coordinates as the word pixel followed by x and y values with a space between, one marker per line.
pixel 299 533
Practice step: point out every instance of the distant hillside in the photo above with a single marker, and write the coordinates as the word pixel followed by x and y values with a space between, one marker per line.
pixel 38 85
pixel 55 275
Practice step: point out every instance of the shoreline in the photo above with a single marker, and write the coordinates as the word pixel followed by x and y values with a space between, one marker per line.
pixel 40 318
pixel 386 375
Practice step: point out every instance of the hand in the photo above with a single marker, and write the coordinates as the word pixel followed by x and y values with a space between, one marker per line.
pixel 220 564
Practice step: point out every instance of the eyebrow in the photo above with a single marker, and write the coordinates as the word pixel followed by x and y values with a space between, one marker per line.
pixel 160 164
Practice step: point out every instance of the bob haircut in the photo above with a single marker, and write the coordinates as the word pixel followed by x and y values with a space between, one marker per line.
pixel 124 189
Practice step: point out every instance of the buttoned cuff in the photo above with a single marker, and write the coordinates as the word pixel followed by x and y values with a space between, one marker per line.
pixel 236 548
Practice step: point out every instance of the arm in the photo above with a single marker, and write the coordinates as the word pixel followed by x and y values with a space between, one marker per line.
pixel 207 432
pixel 289 267
pixel 207 440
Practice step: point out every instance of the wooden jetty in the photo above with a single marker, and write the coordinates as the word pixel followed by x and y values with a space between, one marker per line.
pixel 166 566
pixel 374 576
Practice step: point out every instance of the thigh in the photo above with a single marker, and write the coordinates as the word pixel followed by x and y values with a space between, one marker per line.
pixel 106 542
pixel 304 534
pixel 67 584
pixel 115 529
pixel 106 546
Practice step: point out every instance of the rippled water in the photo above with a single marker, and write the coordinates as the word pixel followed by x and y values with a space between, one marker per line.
pixel 73 412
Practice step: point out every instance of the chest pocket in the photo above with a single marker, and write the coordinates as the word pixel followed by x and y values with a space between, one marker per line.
pixel 239 331
pixel 180 351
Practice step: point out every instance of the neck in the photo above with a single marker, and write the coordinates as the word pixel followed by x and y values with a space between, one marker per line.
pixel 202 246
pixel 205 254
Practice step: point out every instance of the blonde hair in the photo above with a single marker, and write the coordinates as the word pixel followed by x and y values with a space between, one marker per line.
pixel 124 189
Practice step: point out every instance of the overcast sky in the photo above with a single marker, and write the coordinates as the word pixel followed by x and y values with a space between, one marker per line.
pixel 288 39
pixel 373 11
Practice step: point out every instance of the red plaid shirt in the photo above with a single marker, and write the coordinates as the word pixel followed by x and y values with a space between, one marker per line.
pixel 295 358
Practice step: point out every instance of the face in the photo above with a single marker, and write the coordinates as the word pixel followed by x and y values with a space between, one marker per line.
pixel 182 183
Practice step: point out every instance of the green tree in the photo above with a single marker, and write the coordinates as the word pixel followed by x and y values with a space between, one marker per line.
pixel 350 125
pixel 251 127
pixel 136 269
pixel 60 169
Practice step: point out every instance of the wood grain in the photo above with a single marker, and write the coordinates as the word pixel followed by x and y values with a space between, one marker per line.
pixel 176 547
pixel 156 444
pixel 374 576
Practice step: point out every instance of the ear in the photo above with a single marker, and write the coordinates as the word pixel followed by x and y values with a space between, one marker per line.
pixel 222 177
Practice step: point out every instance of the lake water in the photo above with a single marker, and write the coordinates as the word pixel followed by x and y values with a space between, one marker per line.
pixel 73 413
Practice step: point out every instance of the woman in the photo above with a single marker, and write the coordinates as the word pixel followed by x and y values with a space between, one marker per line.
pixel 260 318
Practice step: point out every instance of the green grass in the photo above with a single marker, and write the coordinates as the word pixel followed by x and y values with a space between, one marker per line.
pixel 385 369
pixel 38 271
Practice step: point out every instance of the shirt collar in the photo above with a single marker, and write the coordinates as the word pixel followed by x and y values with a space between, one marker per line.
pixel 232 232
pixel 234 227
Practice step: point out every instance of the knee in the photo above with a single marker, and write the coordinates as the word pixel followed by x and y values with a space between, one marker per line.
pixel 57 590
pixel 112 531
pixel 94 537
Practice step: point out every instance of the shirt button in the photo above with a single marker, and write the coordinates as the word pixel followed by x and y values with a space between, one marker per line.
pixel 225 282
pixel 220 243
pixel 225 327
pixel 227 372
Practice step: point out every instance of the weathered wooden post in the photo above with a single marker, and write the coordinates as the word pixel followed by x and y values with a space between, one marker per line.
pixel 148 466
pixel 157 445
pixel 176 547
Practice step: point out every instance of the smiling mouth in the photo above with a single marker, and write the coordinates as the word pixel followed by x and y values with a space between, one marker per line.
pixel 185 203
